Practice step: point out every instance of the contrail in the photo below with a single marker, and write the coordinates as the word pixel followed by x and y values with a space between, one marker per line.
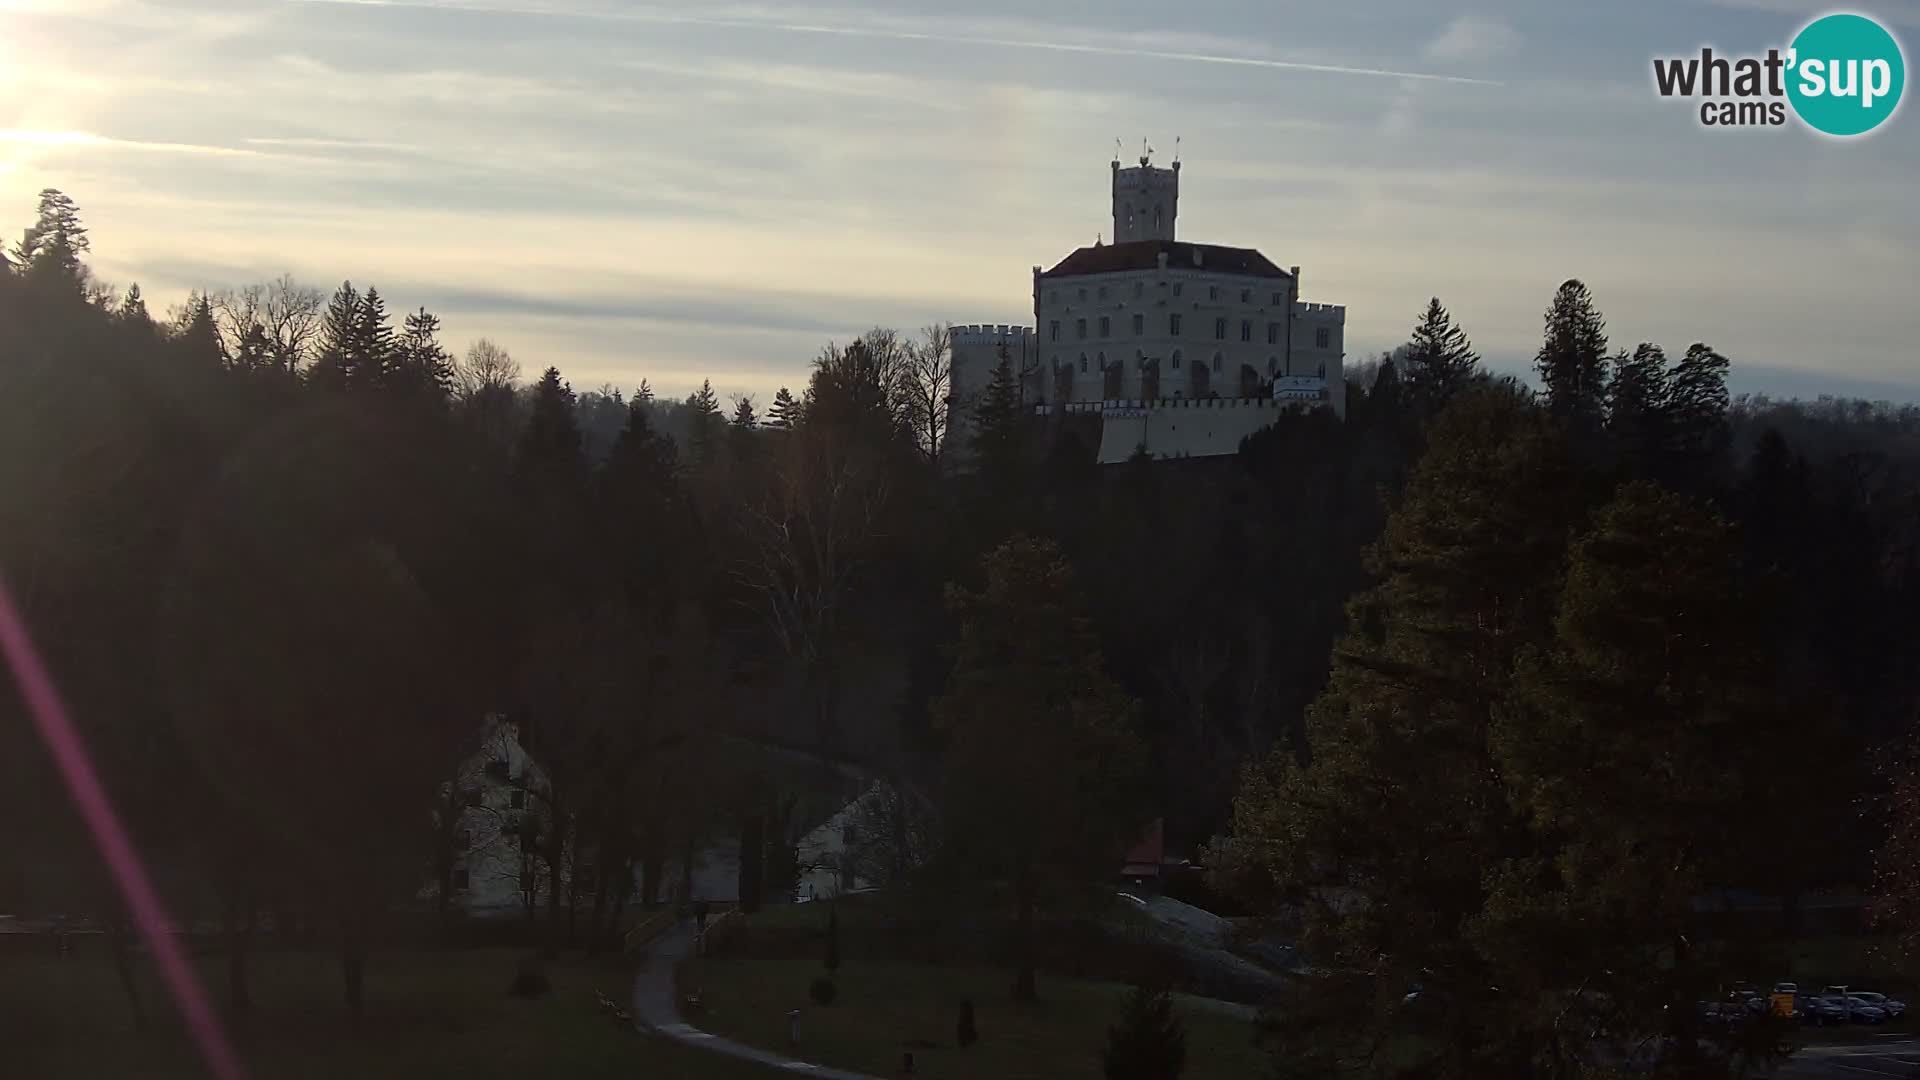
pixel 910 35
pixel 110 836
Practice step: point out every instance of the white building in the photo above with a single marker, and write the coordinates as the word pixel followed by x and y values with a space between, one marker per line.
pixel 1180 347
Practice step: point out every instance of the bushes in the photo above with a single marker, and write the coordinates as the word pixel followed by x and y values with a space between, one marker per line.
pixel 1149 1043
pixel 822 991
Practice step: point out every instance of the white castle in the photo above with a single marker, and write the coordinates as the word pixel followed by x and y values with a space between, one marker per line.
pixel 1181 348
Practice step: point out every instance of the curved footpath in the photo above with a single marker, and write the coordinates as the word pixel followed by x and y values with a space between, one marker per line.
pixel 656 1008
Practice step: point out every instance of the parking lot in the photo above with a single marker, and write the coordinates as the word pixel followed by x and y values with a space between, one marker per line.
pixel 1887 1056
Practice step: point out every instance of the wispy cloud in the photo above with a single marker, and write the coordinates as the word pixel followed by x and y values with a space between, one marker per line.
pixel 1473 38
pixel 929 35
pixel 1904 12
pixel 87 140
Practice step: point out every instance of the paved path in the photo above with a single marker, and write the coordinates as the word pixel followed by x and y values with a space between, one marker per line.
pixel 656 1008
pixel 1887 1056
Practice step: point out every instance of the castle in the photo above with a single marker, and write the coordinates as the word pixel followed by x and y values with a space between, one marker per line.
pixel 1181 348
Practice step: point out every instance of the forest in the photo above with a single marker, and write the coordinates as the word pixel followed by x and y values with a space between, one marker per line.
pixel 1477 690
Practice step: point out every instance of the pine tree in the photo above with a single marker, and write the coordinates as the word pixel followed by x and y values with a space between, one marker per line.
pixel 51 247
pixel 1572 361
pixel 1696 411
pixel 705 424
pixel 1149 1042
pixel 1439 360
pixel 998 436
pixel 133 309
pixel 336 352
pixel 550 445
pixel 644 393
pixel 1042 761
pixel 1637 407
pixel 1385 393
pixel 1397 805
pixel 644 510
pixel 424 365
pixel 198 340
pixel 376 353
pixel 784 411
pixel 743 417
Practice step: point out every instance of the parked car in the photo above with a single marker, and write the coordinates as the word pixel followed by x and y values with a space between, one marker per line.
pixel 1820 1011
pixel 1894 1009
pixel 1859 1011
pixel 1786 988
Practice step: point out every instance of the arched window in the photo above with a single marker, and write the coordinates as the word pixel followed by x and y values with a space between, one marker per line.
pixel 1216 361
pixel 1102 360
pixel 1083 364
pixel 1176 359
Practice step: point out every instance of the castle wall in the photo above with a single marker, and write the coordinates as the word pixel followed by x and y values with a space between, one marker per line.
pixel 1186 428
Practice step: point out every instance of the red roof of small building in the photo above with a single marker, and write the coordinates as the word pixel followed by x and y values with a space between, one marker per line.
pixel 1145 255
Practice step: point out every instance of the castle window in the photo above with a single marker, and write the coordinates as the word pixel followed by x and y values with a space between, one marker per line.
pixel 1103 292
pixel 1176 359
pixel 1102 361
pixel 1246 330
pixel 1173 322
pixel 1139 324
pixel 1213 292
pixel 1176 288
pixel 1083 363
pixel 1053 330
pixel 1322 337
pixel 1106 326
pixel 1083 293
pixel 1273 333
pixel 1277 301
pixel 1080 329
pixel 1216 361
pixel 1220 329
pixel 1139 288
pixel 1246 296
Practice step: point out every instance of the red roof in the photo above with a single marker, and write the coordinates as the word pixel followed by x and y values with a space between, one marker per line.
pixel 1145 255
pixel 1152 848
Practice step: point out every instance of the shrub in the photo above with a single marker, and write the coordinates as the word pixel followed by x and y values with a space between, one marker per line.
pixel 822 991
pixel 1149 1043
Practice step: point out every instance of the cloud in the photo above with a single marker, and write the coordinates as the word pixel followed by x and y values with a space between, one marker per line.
pixel 1904 12
pixel 1472 38
pixel 934 34
pixel 87 140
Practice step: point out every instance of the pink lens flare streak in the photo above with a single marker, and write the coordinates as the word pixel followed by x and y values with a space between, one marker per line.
pixel 70 755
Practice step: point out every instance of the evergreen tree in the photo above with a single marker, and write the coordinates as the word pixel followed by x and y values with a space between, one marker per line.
pixel 1572 361
pixel 743 417
pixel 999 438
pixel 705 422
pixel 644 393
pixel 198 339
pixel 1696 413
pixel 51 247
pixel 376 353
pixel 1439 360
pixel 1149 1042
pixel 424 365
pixel 1385 393
pixel 1637 407
pixel 1042 761
pixel 336 353
pixel 1384 836
pixel 784 411
pixel 550 445
pixel 256 352
pixel 133 309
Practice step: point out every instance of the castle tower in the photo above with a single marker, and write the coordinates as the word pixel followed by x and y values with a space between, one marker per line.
pixel 1145 201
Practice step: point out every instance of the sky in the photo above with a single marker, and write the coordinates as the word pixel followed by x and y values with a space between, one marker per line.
pixel 675 192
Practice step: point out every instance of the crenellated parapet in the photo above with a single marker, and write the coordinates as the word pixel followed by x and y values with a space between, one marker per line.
pixel 1335 313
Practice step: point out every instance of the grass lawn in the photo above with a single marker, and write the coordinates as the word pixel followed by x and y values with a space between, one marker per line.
pixel 429 1014
pixel 885 1007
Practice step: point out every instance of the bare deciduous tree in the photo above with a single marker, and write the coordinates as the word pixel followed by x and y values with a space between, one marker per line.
pixel 926 387
pixel 286 313
pixel 486 367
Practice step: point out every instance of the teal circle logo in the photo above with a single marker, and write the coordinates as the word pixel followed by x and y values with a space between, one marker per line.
pixel 1845 74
